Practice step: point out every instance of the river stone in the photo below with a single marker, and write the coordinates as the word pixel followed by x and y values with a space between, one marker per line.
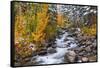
pixel 83 38
pixel 88 42
pixel 72 53
pixel 82 53
pixel 54 46
pixel 70 35
pixel 27 59
pixel 94 44
pixel 78 48
pixel 49 45
pixel 88 49
pixel 42 53
pixel 95 51
pixel 60 33
pixel 67 45
pixel 72 29
pixel 74 34
pixel 66 39
pixel 51 50
pixel 85 59
pixel 71 56
pixel 59 36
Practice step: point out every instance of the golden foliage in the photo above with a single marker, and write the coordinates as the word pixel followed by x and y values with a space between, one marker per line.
pixel 19 27
pixel 42 17
pixel 90 31
pixel 60 20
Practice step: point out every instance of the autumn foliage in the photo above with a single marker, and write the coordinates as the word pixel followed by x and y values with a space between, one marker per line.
pixel 43 17
pixel 60 20
pixel 37 24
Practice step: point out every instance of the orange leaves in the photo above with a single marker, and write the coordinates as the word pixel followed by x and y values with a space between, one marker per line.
pixel 45 8
pixel 38 36
pixel 42 24
pixel 60 20
pixel 42 18
pixel 19 26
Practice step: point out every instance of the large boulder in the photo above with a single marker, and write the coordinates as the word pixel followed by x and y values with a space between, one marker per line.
pixel 84 59
pixel 70 56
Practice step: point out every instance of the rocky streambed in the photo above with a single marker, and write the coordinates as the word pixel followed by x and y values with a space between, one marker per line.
pixel 56 55
pixel 69 46
pixel 86 49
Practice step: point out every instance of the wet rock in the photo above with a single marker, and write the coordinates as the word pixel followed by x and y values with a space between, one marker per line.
pixel 34 53
pixel 46 44
pixel 95 52
pixel 78 29
pixel 70 35
pixel 88 49
pixel 51 50
pixel 63 46
pixel 49 45
pixel 79 59
pixel 60 33
pixel 72 53
pixel 82 38
pixel 88 42
pixel 74 34
pixel 85 59
pixel 94 44
pixel 72 30
pixel 67 45
pixel 59 36
pixel 78 49
pixel 82 53
pixel 65 29
pixel 42 53
pixel 27 59
pixel 91 46
pixel 54 46
pixel 70 56
pixel 33 58
pixel 66 40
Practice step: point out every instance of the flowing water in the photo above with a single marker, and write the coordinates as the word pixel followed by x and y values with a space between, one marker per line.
pixel 62 47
